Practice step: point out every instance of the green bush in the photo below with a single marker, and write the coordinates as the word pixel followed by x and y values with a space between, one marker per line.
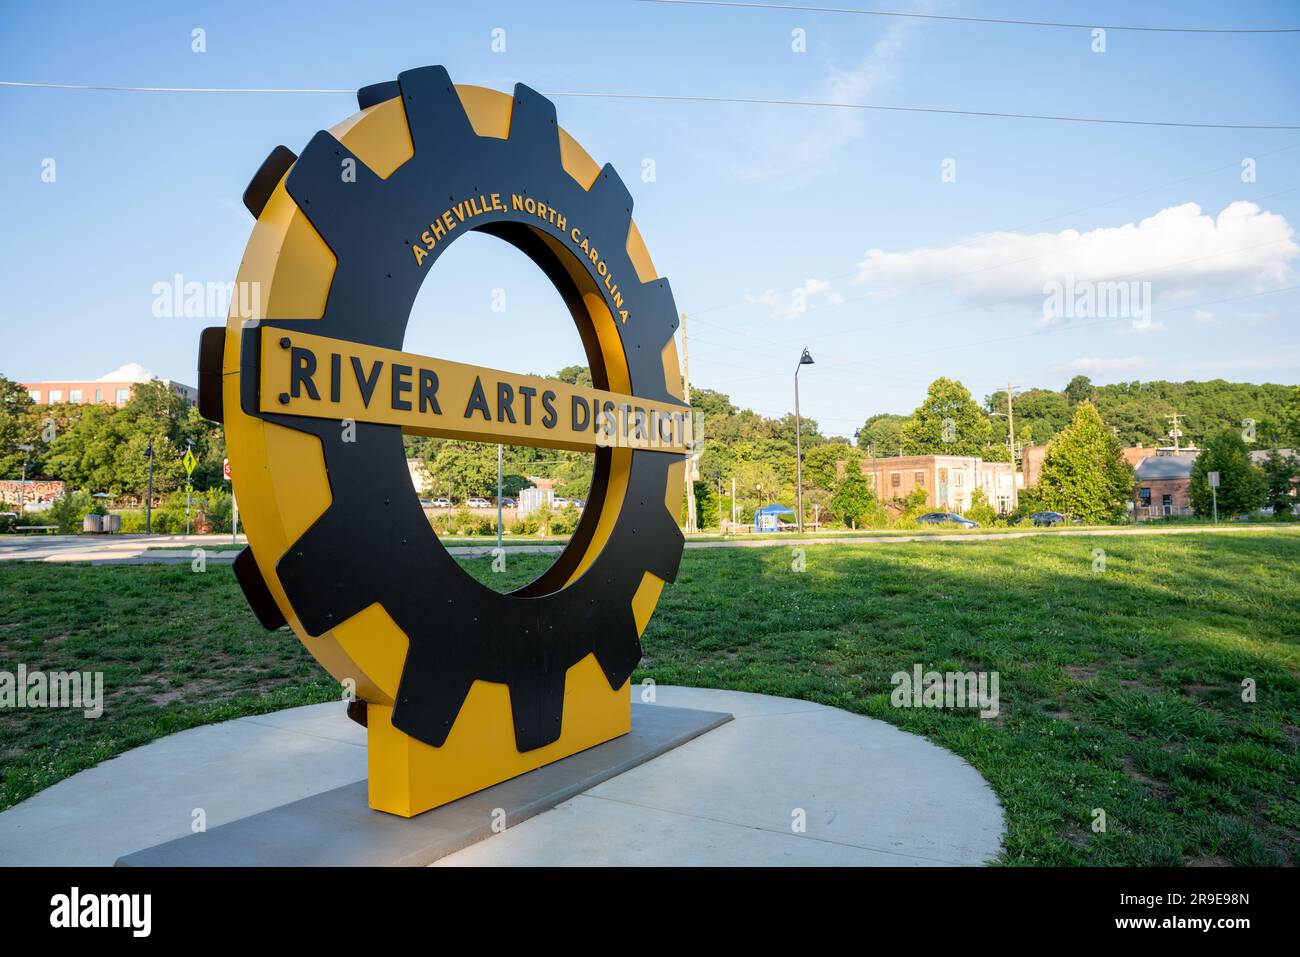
pixel 980 510
pixel 66 512
pixel 566 522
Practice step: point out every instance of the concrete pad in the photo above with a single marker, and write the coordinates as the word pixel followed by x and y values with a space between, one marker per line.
pixel 338 829
pixel 148 795
pixel 870 794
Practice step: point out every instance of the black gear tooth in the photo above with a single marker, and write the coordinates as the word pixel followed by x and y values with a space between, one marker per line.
pixel 661 309
pixel 376 93
pixel 434 113
pixel 537 708
pixel 618 649
pixel 533 122
pixel 316 184
pixel 661 540
pixel 258 192
pixel 610 188
pixel 428 712
pixel 309 562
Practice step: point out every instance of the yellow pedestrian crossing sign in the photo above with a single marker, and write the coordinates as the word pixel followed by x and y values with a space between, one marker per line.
pixel 189 461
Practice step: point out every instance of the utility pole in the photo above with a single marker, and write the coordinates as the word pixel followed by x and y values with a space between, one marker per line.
pixel 733 503
pixel 691 460
pixel 500 455
pixel 1011 428
pixel 1176 432
pixel 720 527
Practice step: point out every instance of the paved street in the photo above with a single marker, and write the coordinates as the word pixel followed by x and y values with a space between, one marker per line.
pixel 177 549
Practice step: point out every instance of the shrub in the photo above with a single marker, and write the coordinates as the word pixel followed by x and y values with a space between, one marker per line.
pixel 566 522
pixel 980 510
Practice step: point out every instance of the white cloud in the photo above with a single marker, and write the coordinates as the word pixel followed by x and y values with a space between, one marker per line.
pixel 1203 315
pixel 1178 249
pixel 131 372
pixel 1102 365
pixel 797 301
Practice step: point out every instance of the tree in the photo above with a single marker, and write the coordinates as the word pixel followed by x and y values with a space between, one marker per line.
pixel 1041 411
pixel 852 500
pixel 1079 389
pixel 824 464
pixel 1280 472
pixel 948 422
pixel 575 375
pixel 1242 486
pixel 1084 473
pixel 980 510
pixel 470 468
pixel 882 434
pixel 17 427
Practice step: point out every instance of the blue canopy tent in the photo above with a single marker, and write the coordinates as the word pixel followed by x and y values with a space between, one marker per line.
pixel 767 518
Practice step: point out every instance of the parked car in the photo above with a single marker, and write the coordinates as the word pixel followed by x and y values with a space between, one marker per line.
pixel 508 502
pixel 560 502
pixel 946 518
pixel 477 502
pixel 1048 518
pixel 441 503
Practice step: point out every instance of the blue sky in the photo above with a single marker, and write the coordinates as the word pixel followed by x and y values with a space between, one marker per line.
pixel 905 273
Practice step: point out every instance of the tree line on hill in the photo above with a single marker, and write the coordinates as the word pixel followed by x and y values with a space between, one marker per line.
pixel 101 448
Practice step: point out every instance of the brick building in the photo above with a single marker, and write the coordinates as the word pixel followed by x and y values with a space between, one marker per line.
pixel 949 481
pixel 1164 483
pixel 113 388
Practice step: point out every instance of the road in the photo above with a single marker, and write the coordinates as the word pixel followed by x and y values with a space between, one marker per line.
pixel 142 550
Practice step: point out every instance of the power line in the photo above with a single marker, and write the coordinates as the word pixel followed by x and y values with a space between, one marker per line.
pixel 1004 21
pixel 681 98
pixel 830 104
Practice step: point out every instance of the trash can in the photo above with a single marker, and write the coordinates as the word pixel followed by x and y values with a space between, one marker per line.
pixel 112 523
pixel 92 523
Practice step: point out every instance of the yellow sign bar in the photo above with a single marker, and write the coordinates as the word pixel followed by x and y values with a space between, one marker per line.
pixel 324 378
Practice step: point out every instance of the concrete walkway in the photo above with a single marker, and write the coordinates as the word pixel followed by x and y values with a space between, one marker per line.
pixel 177 549
pixel 866 793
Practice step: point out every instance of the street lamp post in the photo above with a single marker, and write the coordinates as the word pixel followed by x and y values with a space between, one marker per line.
pixel 148 495
pixel 804 360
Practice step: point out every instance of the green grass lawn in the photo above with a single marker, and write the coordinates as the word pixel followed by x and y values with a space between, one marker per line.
pixel 1120 689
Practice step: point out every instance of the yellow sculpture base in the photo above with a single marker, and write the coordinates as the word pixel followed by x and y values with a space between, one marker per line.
pixel 409 777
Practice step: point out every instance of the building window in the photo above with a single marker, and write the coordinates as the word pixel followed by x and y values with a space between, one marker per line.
pixel 1144 497
pixel 919 479
pixel 1167 504
pixel 35 394
pixel 895 479
pixel 99 395
pixel 74 395
pixel 56 395
pixel 958 478
pixel 123 396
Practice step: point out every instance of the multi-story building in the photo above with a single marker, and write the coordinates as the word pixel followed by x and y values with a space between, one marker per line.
pixel 113 389
pixel 949 481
